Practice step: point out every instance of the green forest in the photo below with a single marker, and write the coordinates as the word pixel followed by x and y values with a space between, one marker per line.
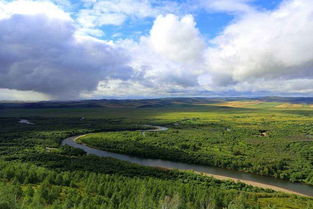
pixel 37 172
pixel 284 150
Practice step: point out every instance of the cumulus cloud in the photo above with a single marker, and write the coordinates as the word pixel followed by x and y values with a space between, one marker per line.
pixel 177 38
pixel 264 46
pixel 166 60
pixel 262 51
pixel 40 52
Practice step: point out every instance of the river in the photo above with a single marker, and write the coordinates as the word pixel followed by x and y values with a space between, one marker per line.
pixel 219 173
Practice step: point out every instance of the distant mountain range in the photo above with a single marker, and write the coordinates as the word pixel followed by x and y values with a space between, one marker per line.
pixel 149 103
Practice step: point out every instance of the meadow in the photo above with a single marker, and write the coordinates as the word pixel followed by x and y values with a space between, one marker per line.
pixel 262 138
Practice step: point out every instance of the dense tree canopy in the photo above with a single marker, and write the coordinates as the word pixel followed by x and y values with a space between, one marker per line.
pixel 36 172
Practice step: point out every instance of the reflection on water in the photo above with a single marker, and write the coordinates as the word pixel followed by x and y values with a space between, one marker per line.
pixel 296 187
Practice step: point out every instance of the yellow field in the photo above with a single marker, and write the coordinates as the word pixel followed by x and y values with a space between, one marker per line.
pixel 240 103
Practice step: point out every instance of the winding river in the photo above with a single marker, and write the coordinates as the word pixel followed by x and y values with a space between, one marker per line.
pixel 219 173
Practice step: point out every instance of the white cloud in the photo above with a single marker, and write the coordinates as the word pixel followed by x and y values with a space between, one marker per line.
pixel 31 8
pixel 177 38
pixel 265 46
pixel 278 86
pixel 168 59
pixel 233 6
pixel 94 18
pixel 264 51
pixel 115 12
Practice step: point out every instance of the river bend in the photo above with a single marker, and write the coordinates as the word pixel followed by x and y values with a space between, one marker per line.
pixel 219 173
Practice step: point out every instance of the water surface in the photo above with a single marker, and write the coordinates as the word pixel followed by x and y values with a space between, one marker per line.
pixel 294 187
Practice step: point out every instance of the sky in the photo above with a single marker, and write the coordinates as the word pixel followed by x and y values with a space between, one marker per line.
pixel 95 49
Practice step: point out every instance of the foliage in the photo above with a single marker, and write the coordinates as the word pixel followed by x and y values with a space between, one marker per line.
pixel 36 172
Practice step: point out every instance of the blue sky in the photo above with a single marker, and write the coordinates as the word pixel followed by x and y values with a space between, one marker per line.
pixel 210 23
pixel 63 49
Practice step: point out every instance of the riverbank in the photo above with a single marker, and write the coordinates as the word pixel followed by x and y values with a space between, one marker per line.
pixel 221 174
pixel 253 183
